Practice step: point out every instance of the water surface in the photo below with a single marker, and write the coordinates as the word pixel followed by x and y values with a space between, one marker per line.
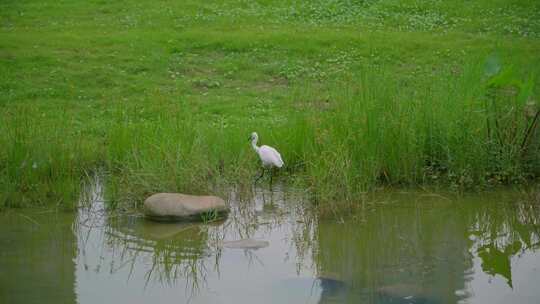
pixel 405 247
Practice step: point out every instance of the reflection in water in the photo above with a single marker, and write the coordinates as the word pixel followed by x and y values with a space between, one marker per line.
pixel 503 231
pixel 37 250
pixel 406 252
pixel 422 250
pixel 157 258
pixel 129 244
pixel 409 248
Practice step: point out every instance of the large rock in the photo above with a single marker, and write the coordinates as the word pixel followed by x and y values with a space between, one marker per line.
pixel 183 207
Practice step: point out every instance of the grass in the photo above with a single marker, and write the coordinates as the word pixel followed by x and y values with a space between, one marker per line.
pixel 161 96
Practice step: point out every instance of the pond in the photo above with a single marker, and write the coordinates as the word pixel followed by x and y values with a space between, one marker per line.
pixel 404 247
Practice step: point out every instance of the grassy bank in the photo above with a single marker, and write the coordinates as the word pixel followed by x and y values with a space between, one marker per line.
pixel 161 96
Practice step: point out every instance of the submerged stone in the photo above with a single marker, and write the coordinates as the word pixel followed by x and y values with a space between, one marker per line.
pixel 182 207
pixel 406 293
pixel 245 244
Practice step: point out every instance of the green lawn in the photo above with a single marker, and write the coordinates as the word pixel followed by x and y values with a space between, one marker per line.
pixel 162 95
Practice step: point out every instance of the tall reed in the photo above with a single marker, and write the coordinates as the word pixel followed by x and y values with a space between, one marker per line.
pixel 463 129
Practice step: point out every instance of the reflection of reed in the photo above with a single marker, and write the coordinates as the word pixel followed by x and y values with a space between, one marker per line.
pixel 170 252
pixel 399 246
pixel 259 212
pixel 422 247
pixel 182 254
pixel 502 231
pixel 167 251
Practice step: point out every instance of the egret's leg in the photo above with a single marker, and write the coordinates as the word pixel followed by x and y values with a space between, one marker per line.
pixel 271 175
pixel 260 176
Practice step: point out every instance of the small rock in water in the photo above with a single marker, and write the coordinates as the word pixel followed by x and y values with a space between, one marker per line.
pixel 409 292
pixel 245 244
pixel 183 207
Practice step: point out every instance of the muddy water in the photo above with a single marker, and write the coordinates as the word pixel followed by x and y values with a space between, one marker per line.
pixel 405 247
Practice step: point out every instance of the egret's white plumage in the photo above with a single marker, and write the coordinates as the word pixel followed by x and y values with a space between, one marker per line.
pixel 269 156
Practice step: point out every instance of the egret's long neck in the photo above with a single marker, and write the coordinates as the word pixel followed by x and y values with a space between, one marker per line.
pixel 254 145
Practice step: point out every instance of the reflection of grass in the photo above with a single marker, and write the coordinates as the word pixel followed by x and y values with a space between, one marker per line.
pixel 427 245
pixel 188 252
pixel 180 255
pixel 251 217
pixel 505 231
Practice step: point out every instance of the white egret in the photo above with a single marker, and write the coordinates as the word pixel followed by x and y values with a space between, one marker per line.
pixel 269 156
